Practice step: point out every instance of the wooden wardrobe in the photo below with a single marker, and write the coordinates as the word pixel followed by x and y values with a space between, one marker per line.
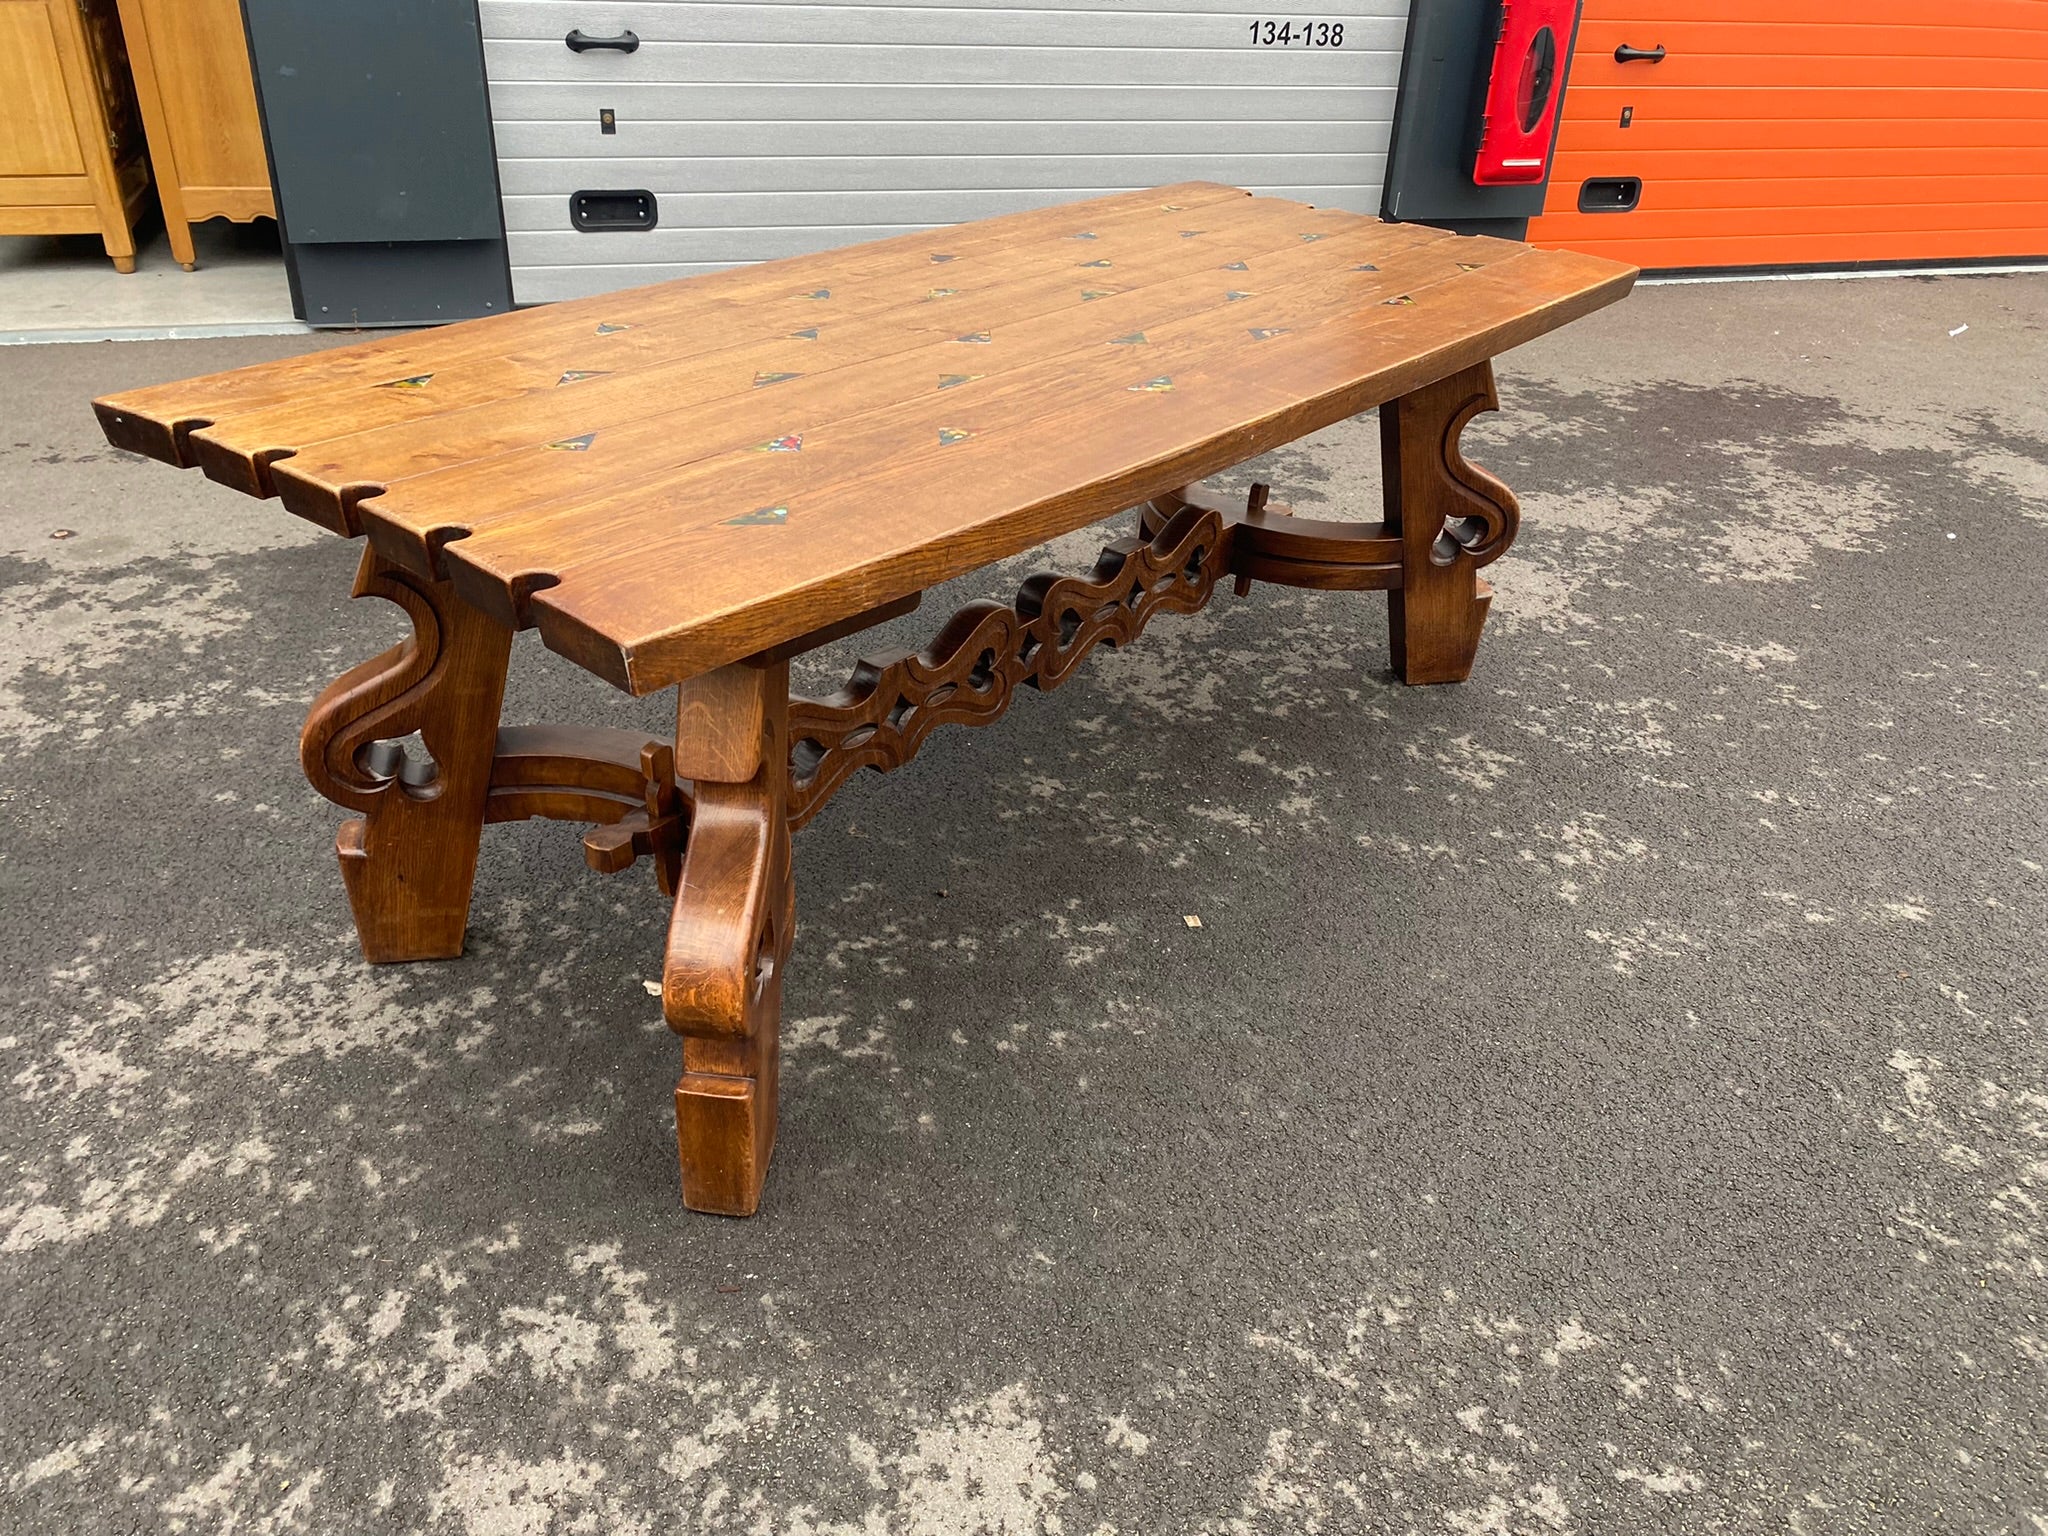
pixel 71 151
pixel 191 63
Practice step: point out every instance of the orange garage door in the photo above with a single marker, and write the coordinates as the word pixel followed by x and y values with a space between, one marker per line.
pixel 1782 132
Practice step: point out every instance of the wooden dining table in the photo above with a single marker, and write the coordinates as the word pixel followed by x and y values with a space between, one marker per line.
pixel 683 486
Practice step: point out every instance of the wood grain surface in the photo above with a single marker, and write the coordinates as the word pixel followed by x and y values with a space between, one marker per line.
pixel 671 479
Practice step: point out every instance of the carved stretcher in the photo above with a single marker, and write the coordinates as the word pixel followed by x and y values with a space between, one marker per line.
pixel 683 486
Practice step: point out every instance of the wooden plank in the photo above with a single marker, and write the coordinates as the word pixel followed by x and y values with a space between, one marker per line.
pixel 787 333
pixel 157 421
pixel 1076 458
pixel 507 454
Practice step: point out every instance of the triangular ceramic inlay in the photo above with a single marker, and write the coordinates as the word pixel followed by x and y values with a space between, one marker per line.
pixel 574 444
pixel 575 375
pixel 808 333
pixel 954 380
pixel 763 379
pixel 1135 339
pixel 759 516
pixel 948 436
pixel 1235 266
pixel 793 443
pixel 611 328
pixel 974 338
pixel 1267 333
pixel 1158 386
pixel 417 381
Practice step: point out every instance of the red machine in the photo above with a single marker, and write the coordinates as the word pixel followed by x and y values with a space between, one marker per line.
pixel 1519 118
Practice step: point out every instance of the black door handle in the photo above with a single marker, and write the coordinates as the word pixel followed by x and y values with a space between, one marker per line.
pixel 1622 55
pixel 581 42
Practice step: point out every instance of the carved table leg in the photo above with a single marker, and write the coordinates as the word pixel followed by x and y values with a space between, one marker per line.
pixel 729 936
pixel 1451 517
pixel 409 860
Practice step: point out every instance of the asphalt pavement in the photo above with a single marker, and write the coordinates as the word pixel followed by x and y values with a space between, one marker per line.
pixel 1609 1096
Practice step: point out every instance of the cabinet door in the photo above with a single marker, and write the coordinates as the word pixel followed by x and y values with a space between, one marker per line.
pixel 201 67
pixel 37 135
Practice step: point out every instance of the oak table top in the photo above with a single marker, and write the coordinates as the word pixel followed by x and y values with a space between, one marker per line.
pixel 668 479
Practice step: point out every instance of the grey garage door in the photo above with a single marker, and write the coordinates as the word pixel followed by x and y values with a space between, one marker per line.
pixel 769 129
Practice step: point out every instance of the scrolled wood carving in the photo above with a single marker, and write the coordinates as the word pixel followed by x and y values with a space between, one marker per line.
pixel 380 699
pixel 970 673
pixel 1489 515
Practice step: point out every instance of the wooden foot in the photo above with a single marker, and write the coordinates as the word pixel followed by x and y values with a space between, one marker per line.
pixel 409 860
pixel 1451 518
pixel 124 264
pixel 728 939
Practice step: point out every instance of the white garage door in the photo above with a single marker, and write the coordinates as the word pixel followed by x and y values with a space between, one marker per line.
pixel 771 129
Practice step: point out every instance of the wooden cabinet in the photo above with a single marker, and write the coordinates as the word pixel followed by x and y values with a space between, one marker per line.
pixel 71 158
pixel 191 64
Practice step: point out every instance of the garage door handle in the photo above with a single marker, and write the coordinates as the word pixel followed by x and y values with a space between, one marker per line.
pixel 581 42
pixel 1622 55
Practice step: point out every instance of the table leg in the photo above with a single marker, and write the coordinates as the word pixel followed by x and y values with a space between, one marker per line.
pixel 1451 517
pixel 409 860
pixel 728 939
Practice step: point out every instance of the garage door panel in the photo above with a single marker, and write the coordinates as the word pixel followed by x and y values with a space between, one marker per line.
pixel 894 211
pixel 1677 223
pixel 682 177
pixel 1877 138
pixel 1829 42
pixel 541 101
pixel 780 63
pixel 1367 28
pixel 680 140
pixel 2020 15
pixel 1904 246
pixel 1601 103
pixel 1732 188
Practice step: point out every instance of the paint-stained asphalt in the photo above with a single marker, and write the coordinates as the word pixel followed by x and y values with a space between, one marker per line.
pixel 1607 1097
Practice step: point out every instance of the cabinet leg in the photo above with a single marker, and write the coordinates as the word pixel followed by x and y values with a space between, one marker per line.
pixel 1452 518
pixel 408 861
pixel 729 936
